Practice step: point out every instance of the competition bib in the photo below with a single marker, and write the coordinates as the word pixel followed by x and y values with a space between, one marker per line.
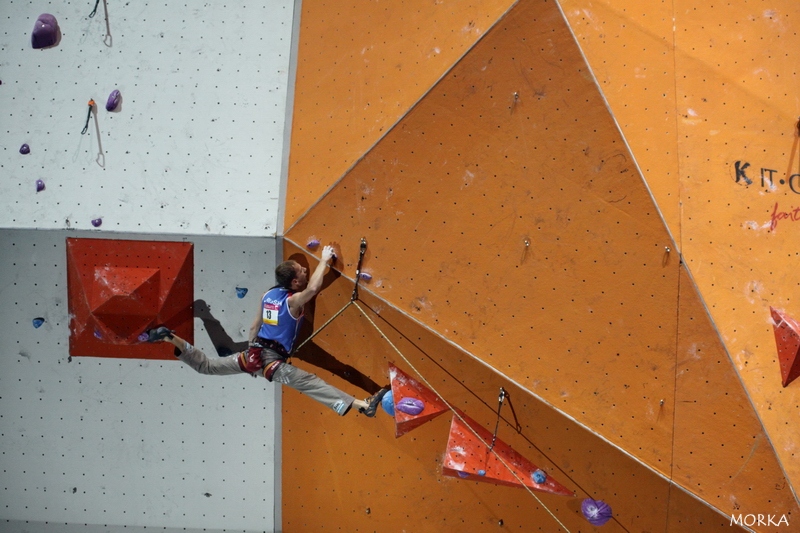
pixel 270 314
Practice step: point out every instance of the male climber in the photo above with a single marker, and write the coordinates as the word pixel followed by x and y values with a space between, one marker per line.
pixel 272 338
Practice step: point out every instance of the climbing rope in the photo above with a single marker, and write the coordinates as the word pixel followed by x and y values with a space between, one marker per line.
pixel 353 298
pixel 490 447
pixel 456 413
pixel 323 325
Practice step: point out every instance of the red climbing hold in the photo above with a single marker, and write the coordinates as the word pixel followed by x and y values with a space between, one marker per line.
pixel 406 387
pixel 119 288
pixel 469 458
pixel 787 339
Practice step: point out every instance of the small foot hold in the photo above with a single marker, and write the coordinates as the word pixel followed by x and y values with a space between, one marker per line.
pixel 373 402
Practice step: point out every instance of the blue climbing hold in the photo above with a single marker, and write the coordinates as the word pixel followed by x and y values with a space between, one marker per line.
pixel 38 321
pixel 481 472
pixel 539 477
pixel 387 402
pixel 241 292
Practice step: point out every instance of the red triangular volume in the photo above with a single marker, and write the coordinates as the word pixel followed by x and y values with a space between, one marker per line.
pixel 405 387
pixel 468 458
pixel 787 340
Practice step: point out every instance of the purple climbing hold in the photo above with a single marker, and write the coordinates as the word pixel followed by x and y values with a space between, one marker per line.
pixel 366 276
pixel 39 185
pixel 98 334
pixel 143 337
pixel 24 149
pixel 312 243
pixel 45 31
pixel 37 322
pixel 597 512
pixel 113 100
pixel 410 406
pixel 97 222
pixel 463 475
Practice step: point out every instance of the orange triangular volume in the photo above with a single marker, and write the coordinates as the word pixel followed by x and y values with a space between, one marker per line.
pixel 404 386
pixel 469 458
pixel 787 339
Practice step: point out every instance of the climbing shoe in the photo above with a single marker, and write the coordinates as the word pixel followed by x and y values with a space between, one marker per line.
pixel 159 334
pixel 373 402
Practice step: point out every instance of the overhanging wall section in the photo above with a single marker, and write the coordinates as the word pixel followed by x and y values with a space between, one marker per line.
pixel 352 473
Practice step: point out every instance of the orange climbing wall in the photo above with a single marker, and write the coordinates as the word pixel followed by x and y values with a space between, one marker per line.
pixel 630 49
pixel 361 66
pixel 728 79
pixel 508 219
pixel 351 473
pixel 594 278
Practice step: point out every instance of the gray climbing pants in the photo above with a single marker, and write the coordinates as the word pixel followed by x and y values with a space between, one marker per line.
pixel 281 372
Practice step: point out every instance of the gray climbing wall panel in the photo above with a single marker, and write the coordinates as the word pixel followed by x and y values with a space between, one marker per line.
pixel 196 145
pixel 127 442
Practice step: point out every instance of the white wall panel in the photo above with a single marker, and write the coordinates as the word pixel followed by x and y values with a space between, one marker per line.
pixel 196 146
pixel 126 442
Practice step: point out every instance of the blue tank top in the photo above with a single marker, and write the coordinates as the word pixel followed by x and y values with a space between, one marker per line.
pixel 278 324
